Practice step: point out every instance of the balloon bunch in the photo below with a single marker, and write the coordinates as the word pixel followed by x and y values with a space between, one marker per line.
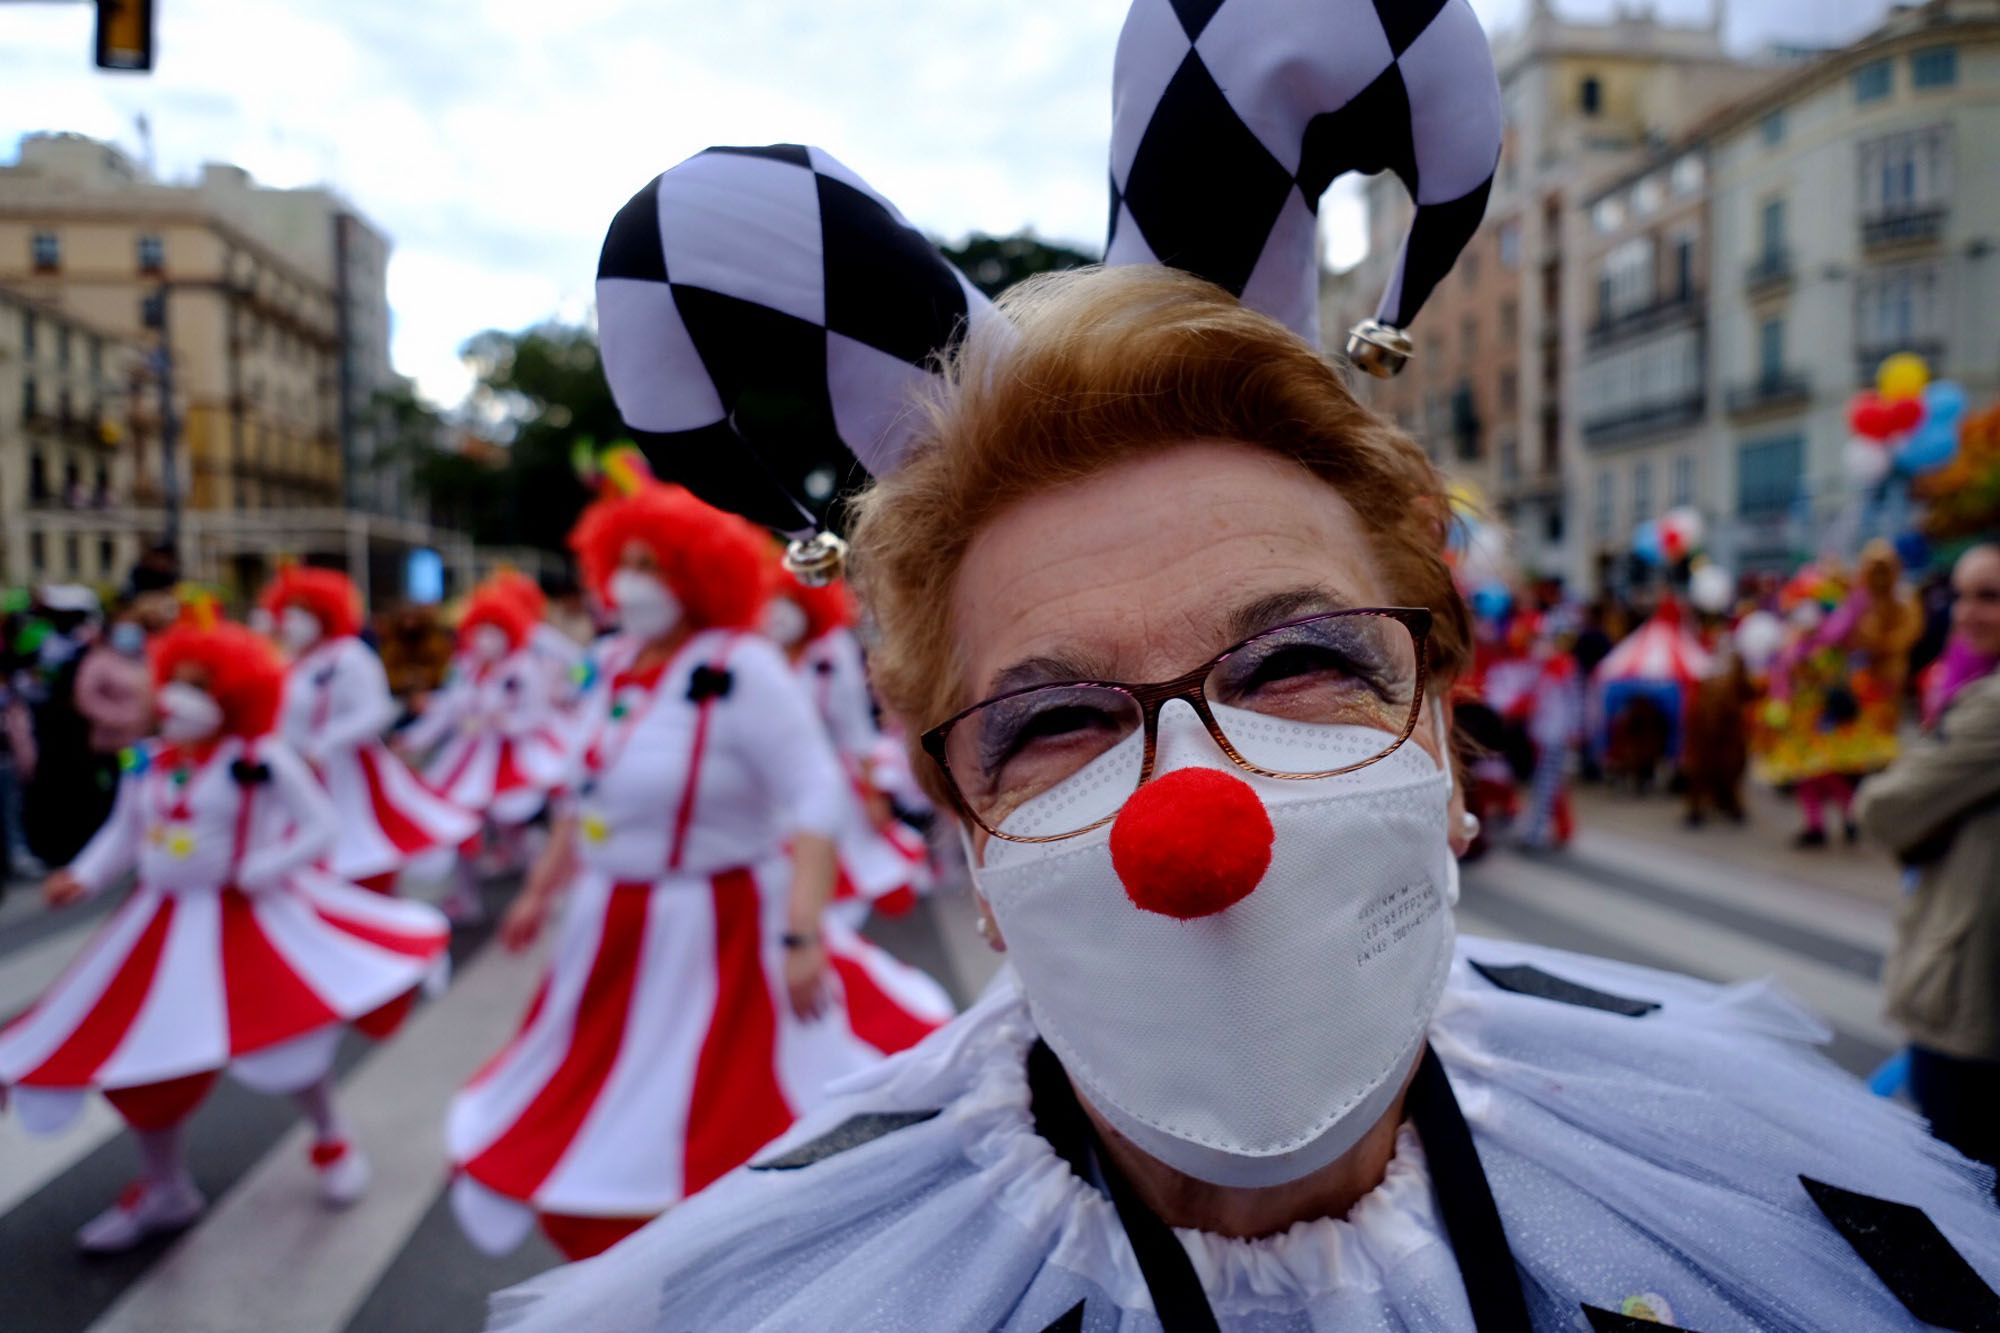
pixel 1908 423
pixel 1476 551
pixel 1675 536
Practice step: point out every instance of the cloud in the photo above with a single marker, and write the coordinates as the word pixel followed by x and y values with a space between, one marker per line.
pixel 493 139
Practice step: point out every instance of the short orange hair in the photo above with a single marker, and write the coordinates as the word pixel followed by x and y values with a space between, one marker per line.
pixel 1095 366
pixel 328 594
pixel 522 589
pixel 246 676
pixel 714 562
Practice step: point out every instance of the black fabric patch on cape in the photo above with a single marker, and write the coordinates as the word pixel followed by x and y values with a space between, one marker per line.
pixel 852 1132
pixel 1069 1321
pixel 1526 979
pixel 707 683
pixel 1610 1321
pixel 1912 1257
pixel 250 774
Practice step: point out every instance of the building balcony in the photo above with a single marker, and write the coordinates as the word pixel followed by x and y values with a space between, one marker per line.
pixel 1669 312
pixel 1633 423
pixel 1775 392
pixel 1904 227
pixel 1769 273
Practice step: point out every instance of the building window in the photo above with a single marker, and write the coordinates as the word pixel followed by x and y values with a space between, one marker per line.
pixel 73 555
pixel 1934 67
pixel 152 252
pixel 1607 215
pixel 27 333
pixel 1510 318
pixel 46 251
pixel 1607 502
pixel 1468 267
pixel 1874 81
pixel 100 493
pixel 96 362
pixel 107 556
pixel 38 553
pixel 1772 129
pixel 1510 390
pixel 1683 267
pixel 1510 461
pixel 1590 95
pixel 31 406
pixel 38 477
pixel 1898 308
pixel 1683 480
pixel 1627 283
pixel 1771 350
pixel 1642 492
pixel 1904 173
pixel 1772 230
pixel 1647 196
pixel 62 346
pixel 1767 476
pixel 1510 245
pixel 1468 337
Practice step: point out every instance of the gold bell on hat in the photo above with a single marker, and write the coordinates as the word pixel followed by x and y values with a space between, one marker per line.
pixel 816 560
pixel 1380 349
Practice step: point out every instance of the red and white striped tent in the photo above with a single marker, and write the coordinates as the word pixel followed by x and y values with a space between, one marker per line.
pixel 1663 649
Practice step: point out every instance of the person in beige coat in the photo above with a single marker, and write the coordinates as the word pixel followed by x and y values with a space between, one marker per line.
pixel 1938 808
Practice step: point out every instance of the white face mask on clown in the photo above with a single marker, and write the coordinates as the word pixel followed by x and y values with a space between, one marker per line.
pixel 647 607
pixel 186 713
pixel 489 643
pixel 784 622
pixel 1253 1045
pixel 298 629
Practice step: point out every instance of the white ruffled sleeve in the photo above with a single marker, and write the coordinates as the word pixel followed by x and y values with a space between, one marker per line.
pixel 309 827
pixel 784 738
pixel 114 849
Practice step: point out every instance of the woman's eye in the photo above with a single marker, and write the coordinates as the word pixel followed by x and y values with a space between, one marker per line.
pixel 1054 724
pixel 1294 661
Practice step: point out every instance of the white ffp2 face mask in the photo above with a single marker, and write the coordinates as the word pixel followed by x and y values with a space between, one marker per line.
pixel 1253 1046
pixel 489 643
pixel 187 714
pixel 784 623
pixel 647 608
pixel 298 629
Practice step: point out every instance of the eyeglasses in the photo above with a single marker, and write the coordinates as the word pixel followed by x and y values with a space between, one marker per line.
pixel 1311 698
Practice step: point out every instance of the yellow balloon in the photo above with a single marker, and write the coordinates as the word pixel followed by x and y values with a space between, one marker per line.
pixel 1903 375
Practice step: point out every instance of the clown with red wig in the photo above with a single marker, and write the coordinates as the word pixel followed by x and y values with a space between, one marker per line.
pixel 561 656
pixel 883 861
pixel 336 708
pixel 699 995
pixel 499 745
pixel 231 952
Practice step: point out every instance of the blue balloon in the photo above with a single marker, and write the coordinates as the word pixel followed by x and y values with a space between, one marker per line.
pixel 1913 550
pixel 1646 543
pixel 1944 402
pixel 1491 601
pixel 1934 444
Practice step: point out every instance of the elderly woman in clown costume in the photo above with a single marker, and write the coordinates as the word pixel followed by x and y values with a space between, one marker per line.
pixel 699 997
pixel 884 863
pixel 231 952
pixel 1167 610
pixel 337 706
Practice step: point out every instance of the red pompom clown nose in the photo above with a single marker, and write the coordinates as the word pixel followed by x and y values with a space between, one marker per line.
pixel 1191 842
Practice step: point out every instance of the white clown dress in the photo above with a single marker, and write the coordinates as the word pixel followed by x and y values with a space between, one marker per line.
pixel 230 953
pixel 500 744
pixel 661 1050
pixel 1647 1163
pixel 888 866
pixel 337 705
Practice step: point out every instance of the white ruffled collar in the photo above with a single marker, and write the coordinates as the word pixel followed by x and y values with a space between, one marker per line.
pixel 977 1069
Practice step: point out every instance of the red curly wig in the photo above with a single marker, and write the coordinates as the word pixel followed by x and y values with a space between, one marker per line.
pixel 714 562
pixel 495 604
pixel 523 590
pixel 329 594
pixel 246 675
pixel 829 608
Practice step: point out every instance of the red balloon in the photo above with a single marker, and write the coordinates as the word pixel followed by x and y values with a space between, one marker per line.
pixel 1870 417
pixel 1673 541
pixel 1905 415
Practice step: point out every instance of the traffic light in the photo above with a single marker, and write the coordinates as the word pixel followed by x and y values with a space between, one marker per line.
pixel 125 34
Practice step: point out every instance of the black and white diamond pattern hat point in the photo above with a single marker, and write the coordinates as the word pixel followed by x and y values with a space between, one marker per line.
pixel 766 319
pixel 1230 118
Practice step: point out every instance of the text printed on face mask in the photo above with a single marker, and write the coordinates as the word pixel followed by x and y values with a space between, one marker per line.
pixel 1391 917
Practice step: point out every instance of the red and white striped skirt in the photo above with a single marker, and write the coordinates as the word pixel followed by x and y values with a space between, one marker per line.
pixel 661 1051
pixel 388 817
pixel 176 984
pixel 505 778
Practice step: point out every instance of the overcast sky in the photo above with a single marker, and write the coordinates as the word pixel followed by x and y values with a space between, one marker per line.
pixel 493 139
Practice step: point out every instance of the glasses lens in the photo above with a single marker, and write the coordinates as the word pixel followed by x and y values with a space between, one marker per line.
pixel 1050 761
pixel 1324 694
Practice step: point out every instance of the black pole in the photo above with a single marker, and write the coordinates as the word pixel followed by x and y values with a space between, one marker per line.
pixel 170 482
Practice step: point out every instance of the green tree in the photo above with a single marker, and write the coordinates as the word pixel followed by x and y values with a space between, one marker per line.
pixel 539 390
pixel 995 263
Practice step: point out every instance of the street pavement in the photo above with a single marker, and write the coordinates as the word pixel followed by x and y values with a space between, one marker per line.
pixel 1727 904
